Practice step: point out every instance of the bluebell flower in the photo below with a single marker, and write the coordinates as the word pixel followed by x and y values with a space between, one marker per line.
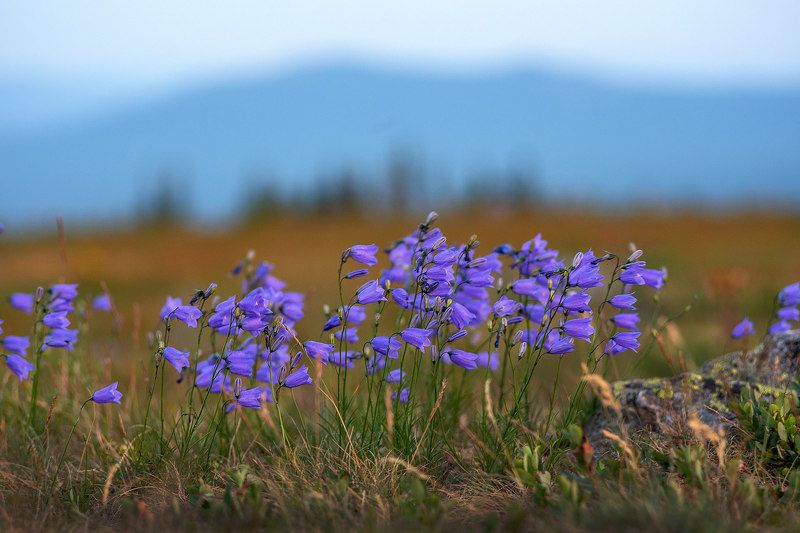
pixel 401 298
pixel 19 366
pixel 213 379
pixel 654 278
pixel 466 360
pixel 56 320
pixel 269 372
pixel 352 335
pixel 334 321
pixel 318 350
pixel 241 362
pixel 579 328
pixel 376 363
pixel 298 378
pixel 626 320
pixel 388 346
pixel 169 307
pixel 782 326
pixel 587 272
pixel 488 360
pixel 395 376
pixel 108 394
pixel 789 313
pixel 417 337
pixel 577 302
pixel 403 396
pixel 743 329
pixel 188 314
pixel 623 301
pixel 632 273
pixel 531 287
pixel 16 344
pixel 622 342
pixel 61 338
pixel 249 398
pixel 363 253
pixel 22 302
pixel 356 273
pixel 102 303
pixel 505 306
pixel 343 359
pixel 178 359
pixel 789 296
pixel 458 335
pixel 370 292
pixel 558 345
pixel 461 316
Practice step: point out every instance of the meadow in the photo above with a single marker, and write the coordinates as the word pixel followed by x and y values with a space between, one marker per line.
pixel 436 379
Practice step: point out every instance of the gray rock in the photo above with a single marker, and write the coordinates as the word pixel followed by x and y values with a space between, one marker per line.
pixel 658 409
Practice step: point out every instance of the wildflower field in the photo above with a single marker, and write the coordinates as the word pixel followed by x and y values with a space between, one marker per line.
pixel 361 372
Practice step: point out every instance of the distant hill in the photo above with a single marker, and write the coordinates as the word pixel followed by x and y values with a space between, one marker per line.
pixel 584 139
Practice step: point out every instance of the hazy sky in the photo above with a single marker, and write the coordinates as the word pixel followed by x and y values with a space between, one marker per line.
pixel 155 42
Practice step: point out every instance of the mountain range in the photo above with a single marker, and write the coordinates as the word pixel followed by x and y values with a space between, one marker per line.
pixel 584 139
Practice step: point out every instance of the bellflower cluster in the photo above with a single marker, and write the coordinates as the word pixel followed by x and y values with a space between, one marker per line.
pixel 57 309
pixel 789 299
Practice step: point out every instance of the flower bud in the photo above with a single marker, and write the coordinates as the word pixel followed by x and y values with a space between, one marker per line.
pixel 39 294
pixel 296 359
pixel 326 309
pixel 476 262
pixel 523 347
pixel 577 259
pixel 517 337
pixel 432 216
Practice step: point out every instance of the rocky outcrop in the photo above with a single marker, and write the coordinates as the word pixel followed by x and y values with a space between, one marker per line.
pixel 660 408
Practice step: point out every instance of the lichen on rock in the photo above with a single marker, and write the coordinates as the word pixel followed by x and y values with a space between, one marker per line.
pixel 660 408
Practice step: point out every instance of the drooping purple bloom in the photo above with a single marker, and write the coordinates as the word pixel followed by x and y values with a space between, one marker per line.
pixel 214 378
pixel 587 274
pixel 352 335
pixel 743 329
pixel 356 314
pixel 558 345
pixel 466 360
pixel 356 273
pixel 178 359
pixel 318 350
pixel 789 313
pixel 577 302
pixel 654 278
pixel 506 306
pixel 395 376
pixel 789 296
pixel 401 298
pixel 626 320
pixel 417 337
pixel 102 303
pixel 403 397
pixel 108 394
pixel 19 366
pixel 370 292
pixel 622 342
pixel 624 301
pixel 56 320
pixel 61 338
pixel 249 398
pixel 375 363
pixel 64 291
pixel 460 315
pixel 781 326
pixel 488 360
pixel 632 273
pixel 269 373
pixel 16 344
pixel 363 253
pixel 241 362
pixel 22 302
pixel 169 307
pixel 297 378
pixel 579 328
pixel 343 359
pixel 530 287
pixel 388 346
pixel 188 314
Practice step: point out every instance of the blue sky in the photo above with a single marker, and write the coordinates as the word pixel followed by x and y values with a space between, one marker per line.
pixel 156 44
